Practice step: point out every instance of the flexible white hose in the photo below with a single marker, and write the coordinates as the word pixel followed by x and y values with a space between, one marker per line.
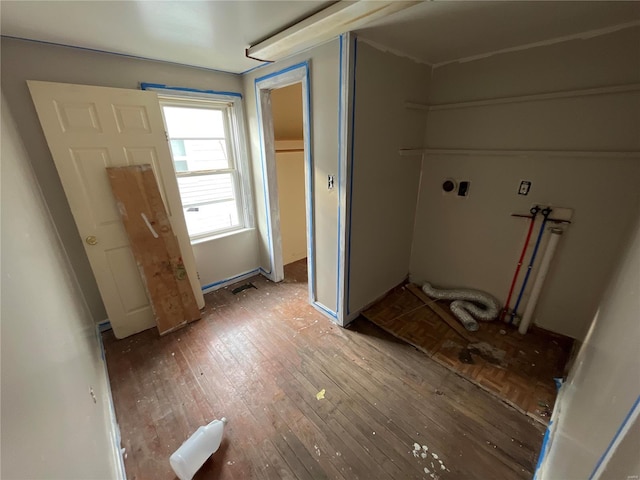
pixel 465 304
pixel 556 233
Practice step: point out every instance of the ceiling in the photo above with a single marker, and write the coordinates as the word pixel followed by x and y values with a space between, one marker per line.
pixel 214 34
pixel 443 31
pixel 204 34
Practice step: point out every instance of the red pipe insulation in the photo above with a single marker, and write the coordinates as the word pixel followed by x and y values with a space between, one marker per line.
pixel 532 221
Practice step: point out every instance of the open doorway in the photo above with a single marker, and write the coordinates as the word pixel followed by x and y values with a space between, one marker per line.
pixel 288 132
pixel 296 76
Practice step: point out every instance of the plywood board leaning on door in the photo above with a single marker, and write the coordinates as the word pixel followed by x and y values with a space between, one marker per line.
pixel 154 246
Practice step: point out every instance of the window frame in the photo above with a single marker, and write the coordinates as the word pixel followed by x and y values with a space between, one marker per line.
pixel 235 140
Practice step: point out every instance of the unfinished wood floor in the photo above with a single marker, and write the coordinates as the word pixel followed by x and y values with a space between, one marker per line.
pixel 518 369
pixel 260 357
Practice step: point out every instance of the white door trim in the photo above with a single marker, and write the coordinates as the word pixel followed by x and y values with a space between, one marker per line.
pixel 298 73
pixel 345 172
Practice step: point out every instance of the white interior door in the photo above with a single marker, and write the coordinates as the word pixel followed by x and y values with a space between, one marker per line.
pixel 88 129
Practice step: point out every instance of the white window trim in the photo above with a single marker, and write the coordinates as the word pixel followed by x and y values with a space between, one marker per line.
pixel 238 151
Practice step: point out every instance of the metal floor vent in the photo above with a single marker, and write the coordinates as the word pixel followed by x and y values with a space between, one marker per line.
pixel 242 288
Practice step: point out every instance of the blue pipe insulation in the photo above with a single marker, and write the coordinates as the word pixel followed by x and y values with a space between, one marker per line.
pixel 545 213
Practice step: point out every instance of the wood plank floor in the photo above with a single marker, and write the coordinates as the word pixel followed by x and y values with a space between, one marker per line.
pixel 518 369
pixel 260 358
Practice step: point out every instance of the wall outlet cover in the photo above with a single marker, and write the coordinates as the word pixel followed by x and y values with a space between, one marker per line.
pixel 524 188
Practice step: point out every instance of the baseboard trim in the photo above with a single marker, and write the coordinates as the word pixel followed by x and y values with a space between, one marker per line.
pixel 212 287
pixel 116 439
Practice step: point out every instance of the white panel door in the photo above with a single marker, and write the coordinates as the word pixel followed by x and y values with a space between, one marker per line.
pixel 88 129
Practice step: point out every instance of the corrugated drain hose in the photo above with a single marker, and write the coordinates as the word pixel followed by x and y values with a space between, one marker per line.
pixel 465 304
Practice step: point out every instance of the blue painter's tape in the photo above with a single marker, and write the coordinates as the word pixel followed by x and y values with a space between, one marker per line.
pixel 263 162
pixel 353 139
pixel 635 405
pixel 559 381
pixel 326 310
pixel 126 55
pixel 205 287
pixel 543 450
pixel 104 326
pixel 255 68
pixel 147 86
pixel 310 189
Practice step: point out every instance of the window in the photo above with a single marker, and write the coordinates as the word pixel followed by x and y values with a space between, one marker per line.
pixel 203 136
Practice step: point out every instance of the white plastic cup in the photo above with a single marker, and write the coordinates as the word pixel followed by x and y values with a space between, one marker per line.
pixel 192 454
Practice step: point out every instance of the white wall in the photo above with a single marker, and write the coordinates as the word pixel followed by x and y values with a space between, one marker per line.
pixel 385 185
pixel 474 242
pixel 602 386
pixel 220 260
pixel 291 198
pixel 22 60
pixel 51 425
pixel 325 83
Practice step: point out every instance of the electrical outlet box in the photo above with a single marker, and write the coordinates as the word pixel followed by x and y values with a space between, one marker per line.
pixel 525 186
pixel 449 185
pixel 463 189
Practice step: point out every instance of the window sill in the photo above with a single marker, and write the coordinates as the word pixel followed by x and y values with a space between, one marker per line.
pixel 218 236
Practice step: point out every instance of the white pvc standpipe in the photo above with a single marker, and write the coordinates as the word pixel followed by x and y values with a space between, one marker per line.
pixel 556 233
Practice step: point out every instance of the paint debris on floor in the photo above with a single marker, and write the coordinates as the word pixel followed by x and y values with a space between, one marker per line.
pixel 435 466
pixel 251 360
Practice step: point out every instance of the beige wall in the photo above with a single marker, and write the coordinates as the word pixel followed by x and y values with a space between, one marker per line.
pixel 291 201
pixel 286 108
pixel 23 60
pixel 51 425
pixel 474 242
pixel 625 461
pixel 385 185
pixel 603 385
pixel 324 68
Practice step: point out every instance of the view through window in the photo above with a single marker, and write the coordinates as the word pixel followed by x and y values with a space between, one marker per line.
pixel 203 150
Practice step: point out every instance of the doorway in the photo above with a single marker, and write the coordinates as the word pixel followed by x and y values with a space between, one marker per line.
pixel 289 200
pixel 288 132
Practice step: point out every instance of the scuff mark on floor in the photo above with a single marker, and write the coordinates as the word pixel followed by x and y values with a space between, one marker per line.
pixel 489 353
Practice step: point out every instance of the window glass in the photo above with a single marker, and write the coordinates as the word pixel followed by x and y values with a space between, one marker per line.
pixel 207 177
pixel 189 122
pixel 200 154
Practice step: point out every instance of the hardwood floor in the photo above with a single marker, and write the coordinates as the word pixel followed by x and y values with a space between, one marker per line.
pixel 261 357
pixel 518 369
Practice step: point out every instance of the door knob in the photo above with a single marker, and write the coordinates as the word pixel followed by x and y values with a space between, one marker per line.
pixel 91 240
